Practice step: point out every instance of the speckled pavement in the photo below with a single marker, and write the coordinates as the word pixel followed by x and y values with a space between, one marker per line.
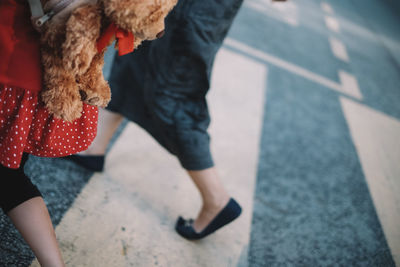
pixel 305 131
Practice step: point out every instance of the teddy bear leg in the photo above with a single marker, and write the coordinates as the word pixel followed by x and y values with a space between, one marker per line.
pixel 82 32
pixel 93 88
pixel 62 98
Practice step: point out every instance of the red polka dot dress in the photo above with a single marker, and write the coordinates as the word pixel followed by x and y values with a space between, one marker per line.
pixel 25 124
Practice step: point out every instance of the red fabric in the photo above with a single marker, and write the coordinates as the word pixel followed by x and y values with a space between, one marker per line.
pixel 25 124
pixel 125 40
pixel 19 47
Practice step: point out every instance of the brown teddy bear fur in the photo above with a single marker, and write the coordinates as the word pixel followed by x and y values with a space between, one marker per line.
pixel 73 66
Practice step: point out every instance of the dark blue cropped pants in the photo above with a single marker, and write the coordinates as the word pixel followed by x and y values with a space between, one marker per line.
pixel 162 85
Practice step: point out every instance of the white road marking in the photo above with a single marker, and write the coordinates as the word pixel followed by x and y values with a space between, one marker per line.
pixel 348 86
pixel 376 138
pixel 332 24
pixel 327 8
pixel 282 11
pixel 339 49
pixel 126 216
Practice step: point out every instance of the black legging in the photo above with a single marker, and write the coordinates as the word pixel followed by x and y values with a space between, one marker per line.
pixel 15 187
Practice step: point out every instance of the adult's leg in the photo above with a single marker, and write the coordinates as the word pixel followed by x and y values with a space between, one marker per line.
pixel 166 88
pixel 213 194
pixel 23 203
pixel 166 96
pixel 106 127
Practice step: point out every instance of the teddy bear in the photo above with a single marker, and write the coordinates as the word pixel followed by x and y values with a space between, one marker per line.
pixel 73 46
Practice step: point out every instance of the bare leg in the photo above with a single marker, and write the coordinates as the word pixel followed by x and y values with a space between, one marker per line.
pixel 32 220
pixel 108 124
pixel 213 194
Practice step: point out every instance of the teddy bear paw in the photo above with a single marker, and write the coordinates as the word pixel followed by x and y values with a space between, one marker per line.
pixel 65 110
pixel 68 114
pixel 94 98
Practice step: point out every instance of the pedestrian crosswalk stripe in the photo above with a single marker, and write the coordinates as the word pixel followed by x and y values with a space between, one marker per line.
pixel 376 138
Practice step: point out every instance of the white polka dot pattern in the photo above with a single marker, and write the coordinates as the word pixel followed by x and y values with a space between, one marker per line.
pixel 26 126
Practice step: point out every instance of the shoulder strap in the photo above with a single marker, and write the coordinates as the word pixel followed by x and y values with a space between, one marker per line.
pixel 36 8
pixel 39 17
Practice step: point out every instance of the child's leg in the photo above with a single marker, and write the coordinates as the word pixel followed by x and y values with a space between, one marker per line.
pixel 32 220
pixel 23 203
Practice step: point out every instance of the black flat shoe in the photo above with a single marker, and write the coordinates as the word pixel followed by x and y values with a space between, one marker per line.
pixel 229 213
pixel 93 163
